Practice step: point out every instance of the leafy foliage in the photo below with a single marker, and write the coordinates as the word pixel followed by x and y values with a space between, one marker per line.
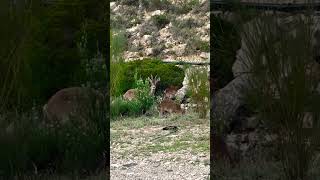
pixel 42 46
pixel 138 106
pixel 169 74
pixel 160 20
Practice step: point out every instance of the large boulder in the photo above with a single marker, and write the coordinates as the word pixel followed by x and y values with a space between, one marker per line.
pixel 228 99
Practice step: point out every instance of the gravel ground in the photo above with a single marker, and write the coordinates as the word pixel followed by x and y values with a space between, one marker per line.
pixel 149 152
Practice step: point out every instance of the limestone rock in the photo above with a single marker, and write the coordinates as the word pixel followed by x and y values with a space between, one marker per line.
pixel 180 49
pixel 149 51
pixel 228 99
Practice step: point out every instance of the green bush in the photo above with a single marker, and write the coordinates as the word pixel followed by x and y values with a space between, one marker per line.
pixel 41 54
pixel 120 107
pixel 226 42
pixel 138 106
pixel 169 74
pixel 71 33
pixel 160 20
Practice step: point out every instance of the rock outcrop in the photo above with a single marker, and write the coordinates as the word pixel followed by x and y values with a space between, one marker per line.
pixel 177 30
pixel 244 131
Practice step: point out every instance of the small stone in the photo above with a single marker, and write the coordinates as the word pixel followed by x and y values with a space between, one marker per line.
pixel 112 5
pixel 157 12
pixel 130 164
pixel 204 55
pixel 146 40
pixel 180 49
pixel 149 52
pixel 115 165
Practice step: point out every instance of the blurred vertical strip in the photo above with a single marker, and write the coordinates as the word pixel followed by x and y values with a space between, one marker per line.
pixel 107 61
pixel 211 88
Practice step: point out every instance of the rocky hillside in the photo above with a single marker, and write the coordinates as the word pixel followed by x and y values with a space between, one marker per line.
pixel 166 29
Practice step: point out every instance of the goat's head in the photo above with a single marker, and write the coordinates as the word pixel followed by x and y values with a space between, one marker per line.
pixel 153 83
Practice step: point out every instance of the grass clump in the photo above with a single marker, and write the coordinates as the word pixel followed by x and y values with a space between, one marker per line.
pixel 199 86
pixel 160 20
pixel 117 46
pixel 282 88
pixel 184 7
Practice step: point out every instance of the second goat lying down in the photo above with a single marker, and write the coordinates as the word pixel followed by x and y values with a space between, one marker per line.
pixel 170 106
pixel 170 92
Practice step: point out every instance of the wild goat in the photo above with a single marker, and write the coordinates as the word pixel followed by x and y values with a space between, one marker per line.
pixel 132 93
pixel 75 101
pixel 170 106
pixel 170 92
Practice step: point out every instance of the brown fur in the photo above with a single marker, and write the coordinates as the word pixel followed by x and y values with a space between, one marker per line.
pixel 131 94
pixel 170 106
pixel 72 101
pixel 170 92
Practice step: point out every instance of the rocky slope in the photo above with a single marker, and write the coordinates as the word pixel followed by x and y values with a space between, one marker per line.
pixel 169 30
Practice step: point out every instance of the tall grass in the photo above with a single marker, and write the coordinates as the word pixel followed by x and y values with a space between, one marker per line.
pixel 282 88
pixel 199 86
pixel 117 46
pixel 37 149
pixel 28 148
pixel 15 36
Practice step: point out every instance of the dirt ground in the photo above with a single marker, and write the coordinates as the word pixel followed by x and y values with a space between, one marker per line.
pixel 141 149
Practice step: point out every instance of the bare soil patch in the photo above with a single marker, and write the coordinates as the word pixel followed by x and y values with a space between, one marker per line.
pixel 141 149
